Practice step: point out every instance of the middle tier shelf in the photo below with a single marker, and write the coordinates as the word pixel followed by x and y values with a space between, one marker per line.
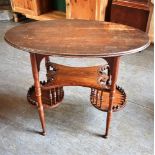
pixel 94 77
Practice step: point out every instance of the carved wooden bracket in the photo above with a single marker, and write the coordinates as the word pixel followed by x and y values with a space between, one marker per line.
pixel 51 71
pixel 104 77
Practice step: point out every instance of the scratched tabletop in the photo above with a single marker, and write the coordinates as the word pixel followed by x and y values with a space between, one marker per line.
pixel 77 38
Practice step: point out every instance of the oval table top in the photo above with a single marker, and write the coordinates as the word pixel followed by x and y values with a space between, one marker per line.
pixel 77 38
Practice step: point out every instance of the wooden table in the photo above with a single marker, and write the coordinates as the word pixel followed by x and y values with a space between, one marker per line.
pixel 77 38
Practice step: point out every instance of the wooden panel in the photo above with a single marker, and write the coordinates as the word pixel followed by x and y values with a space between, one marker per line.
pixel 132 4
pixel 31 7
pixel 139 2
pixel 127 16
pixel 86 9
pixel 68 9
pixel 43 6
pixel 23 6
pixel 82 9
pixel 131 14
pixel 101 9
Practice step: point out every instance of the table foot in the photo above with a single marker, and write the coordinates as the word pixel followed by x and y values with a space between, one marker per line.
pixel 100 99
pixel 51 98
pixel 105 136
pixel 43 133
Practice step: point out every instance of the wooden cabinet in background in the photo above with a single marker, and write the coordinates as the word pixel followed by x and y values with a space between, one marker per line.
pixel 35 9
pixel 135 13
pixel 54 9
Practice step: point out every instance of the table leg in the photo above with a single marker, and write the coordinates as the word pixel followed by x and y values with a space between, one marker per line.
pixel 35 73
pixel 114 73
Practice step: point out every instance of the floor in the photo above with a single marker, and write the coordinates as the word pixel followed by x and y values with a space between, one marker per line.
pixel 75 127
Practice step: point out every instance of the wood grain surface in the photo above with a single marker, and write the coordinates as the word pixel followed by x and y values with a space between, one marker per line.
pixel 77 38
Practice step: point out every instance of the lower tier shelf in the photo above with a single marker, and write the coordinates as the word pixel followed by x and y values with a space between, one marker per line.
pixel 100 99
pixel 51 98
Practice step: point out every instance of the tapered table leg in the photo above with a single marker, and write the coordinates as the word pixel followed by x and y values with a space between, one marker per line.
pixel 35 72
pixel 114 73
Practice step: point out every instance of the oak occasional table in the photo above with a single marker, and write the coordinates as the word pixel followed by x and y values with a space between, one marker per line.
pixel 77 38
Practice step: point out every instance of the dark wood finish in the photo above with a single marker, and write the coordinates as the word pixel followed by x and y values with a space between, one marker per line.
pixel 77 38
pixel 132 12
pixel 108 11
